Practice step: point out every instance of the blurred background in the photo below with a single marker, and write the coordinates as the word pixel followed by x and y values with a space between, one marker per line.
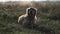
pixel 48 14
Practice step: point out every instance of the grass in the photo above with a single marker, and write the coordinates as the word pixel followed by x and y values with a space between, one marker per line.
pixel 45 25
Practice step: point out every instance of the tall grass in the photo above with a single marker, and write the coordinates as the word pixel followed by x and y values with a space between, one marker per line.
pixel 46 14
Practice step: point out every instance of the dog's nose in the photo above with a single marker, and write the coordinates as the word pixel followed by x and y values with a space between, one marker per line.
pixel 31 12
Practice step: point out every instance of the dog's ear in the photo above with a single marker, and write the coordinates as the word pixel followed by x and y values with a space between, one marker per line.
pixel 27 10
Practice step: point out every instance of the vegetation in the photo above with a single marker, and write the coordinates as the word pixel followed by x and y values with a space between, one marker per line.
pixel 48 18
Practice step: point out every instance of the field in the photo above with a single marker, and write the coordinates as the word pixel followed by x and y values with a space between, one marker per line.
pixel 48 18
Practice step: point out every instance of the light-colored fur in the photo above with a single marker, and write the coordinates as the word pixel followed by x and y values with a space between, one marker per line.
pixel 25 20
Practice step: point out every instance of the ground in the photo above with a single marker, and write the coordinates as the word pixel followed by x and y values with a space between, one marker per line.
pixel 10 14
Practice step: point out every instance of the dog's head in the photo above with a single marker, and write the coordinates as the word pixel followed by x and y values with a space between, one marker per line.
pixel 31 11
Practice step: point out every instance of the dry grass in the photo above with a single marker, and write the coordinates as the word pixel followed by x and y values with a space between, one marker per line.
pixel 48 19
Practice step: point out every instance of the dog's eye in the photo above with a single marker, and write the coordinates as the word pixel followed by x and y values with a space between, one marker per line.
pixel 29 12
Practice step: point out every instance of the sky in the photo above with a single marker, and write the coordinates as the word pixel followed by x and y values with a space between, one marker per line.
pixel 26 0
